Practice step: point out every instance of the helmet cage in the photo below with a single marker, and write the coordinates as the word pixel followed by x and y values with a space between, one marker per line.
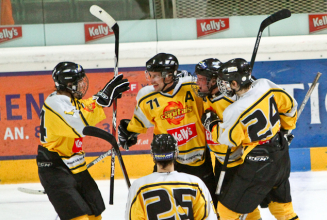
pixel 225 88
pixel 81 88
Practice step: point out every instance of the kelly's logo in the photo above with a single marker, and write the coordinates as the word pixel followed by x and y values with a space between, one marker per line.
pixel 10 33
pixel 209 26
pixel 174 112
pixel 78 145
pixel 317 22
pixel 96 31
pixel 184 133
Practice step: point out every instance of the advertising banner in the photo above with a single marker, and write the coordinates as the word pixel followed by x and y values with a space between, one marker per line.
pixel 22 96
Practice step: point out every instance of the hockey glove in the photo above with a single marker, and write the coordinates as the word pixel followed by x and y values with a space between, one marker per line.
pixel 125 137
pixel 209 119
pixel 113 89
pixel 287 135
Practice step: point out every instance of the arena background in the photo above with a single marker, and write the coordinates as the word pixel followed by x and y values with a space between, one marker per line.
pixel 291 53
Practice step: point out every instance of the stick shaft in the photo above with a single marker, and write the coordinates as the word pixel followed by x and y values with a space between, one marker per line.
pixel 115 28
pixel 282 14
pixel 222 172
pixel 41 192
pixel 307 96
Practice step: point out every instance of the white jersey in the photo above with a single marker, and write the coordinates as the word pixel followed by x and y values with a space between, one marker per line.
pixel 173 195
pixel 61 129
pixel 256 117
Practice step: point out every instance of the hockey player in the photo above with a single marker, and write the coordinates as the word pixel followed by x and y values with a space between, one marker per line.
pixel 170 106
pixel 256 128
pixel 61 163
pixel 206 73
pixel 168 194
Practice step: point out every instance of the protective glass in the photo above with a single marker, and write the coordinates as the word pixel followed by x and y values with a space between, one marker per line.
pixel 201 85
pixel 152 76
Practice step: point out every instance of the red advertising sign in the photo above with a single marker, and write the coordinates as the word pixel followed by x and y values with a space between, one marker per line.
pixel 209 26
pixel 20 106
pixel 184 133
pixel 96 31
pixel 10 33
pixel 317 22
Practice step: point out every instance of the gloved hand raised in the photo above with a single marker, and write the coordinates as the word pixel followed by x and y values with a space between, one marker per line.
pixel 111 91
pixel 209 119
pixel 125 137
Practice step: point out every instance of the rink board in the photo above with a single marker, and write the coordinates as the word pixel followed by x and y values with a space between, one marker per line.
pixel 21 103
pixel 25 171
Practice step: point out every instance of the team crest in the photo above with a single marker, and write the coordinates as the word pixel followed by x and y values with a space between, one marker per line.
pixel 90 107
pixel 175 112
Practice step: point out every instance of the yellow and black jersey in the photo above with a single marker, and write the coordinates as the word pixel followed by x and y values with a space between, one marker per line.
pixel 217 104
pixel 62 122
pixel 171 195
pixel 178 113
pixel 256 117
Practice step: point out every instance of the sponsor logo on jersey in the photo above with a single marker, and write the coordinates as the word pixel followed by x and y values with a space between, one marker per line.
pixel 209 139
pixel 78 143
pixel 10 33
pixel 175 112
pixel 90 107
pixel 184 133
pixel 96 31
pixel 209 26
pixel 317 22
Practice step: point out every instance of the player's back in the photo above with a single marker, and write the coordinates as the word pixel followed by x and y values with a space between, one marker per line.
pixel 171 195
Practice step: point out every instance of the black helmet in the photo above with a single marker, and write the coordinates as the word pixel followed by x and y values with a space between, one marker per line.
pixel 164 63
pixel 164 147
pixel 69 72
pixel 208 68
pixel 236 69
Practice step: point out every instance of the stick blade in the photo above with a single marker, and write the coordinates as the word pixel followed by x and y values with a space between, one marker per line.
pixel 280 15
pixel 99 133
pixel 31 191
pixel 102 15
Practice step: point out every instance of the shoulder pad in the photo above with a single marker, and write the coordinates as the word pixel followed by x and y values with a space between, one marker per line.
pixel 186 79
pixel 144 91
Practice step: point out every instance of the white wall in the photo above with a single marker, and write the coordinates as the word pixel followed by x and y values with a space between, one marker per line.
pixel 93 56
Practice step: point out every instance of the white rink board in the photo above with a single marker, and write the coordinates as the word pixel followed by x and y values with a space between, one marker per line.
pixel 22 59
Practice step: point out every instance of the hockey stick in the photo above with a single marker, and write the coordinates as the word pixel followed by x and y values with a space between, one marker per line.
pixel 304 102
pixel 106 18
pixel 99 133
pixel 282 14
pixel 41 192
pixel 307 96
